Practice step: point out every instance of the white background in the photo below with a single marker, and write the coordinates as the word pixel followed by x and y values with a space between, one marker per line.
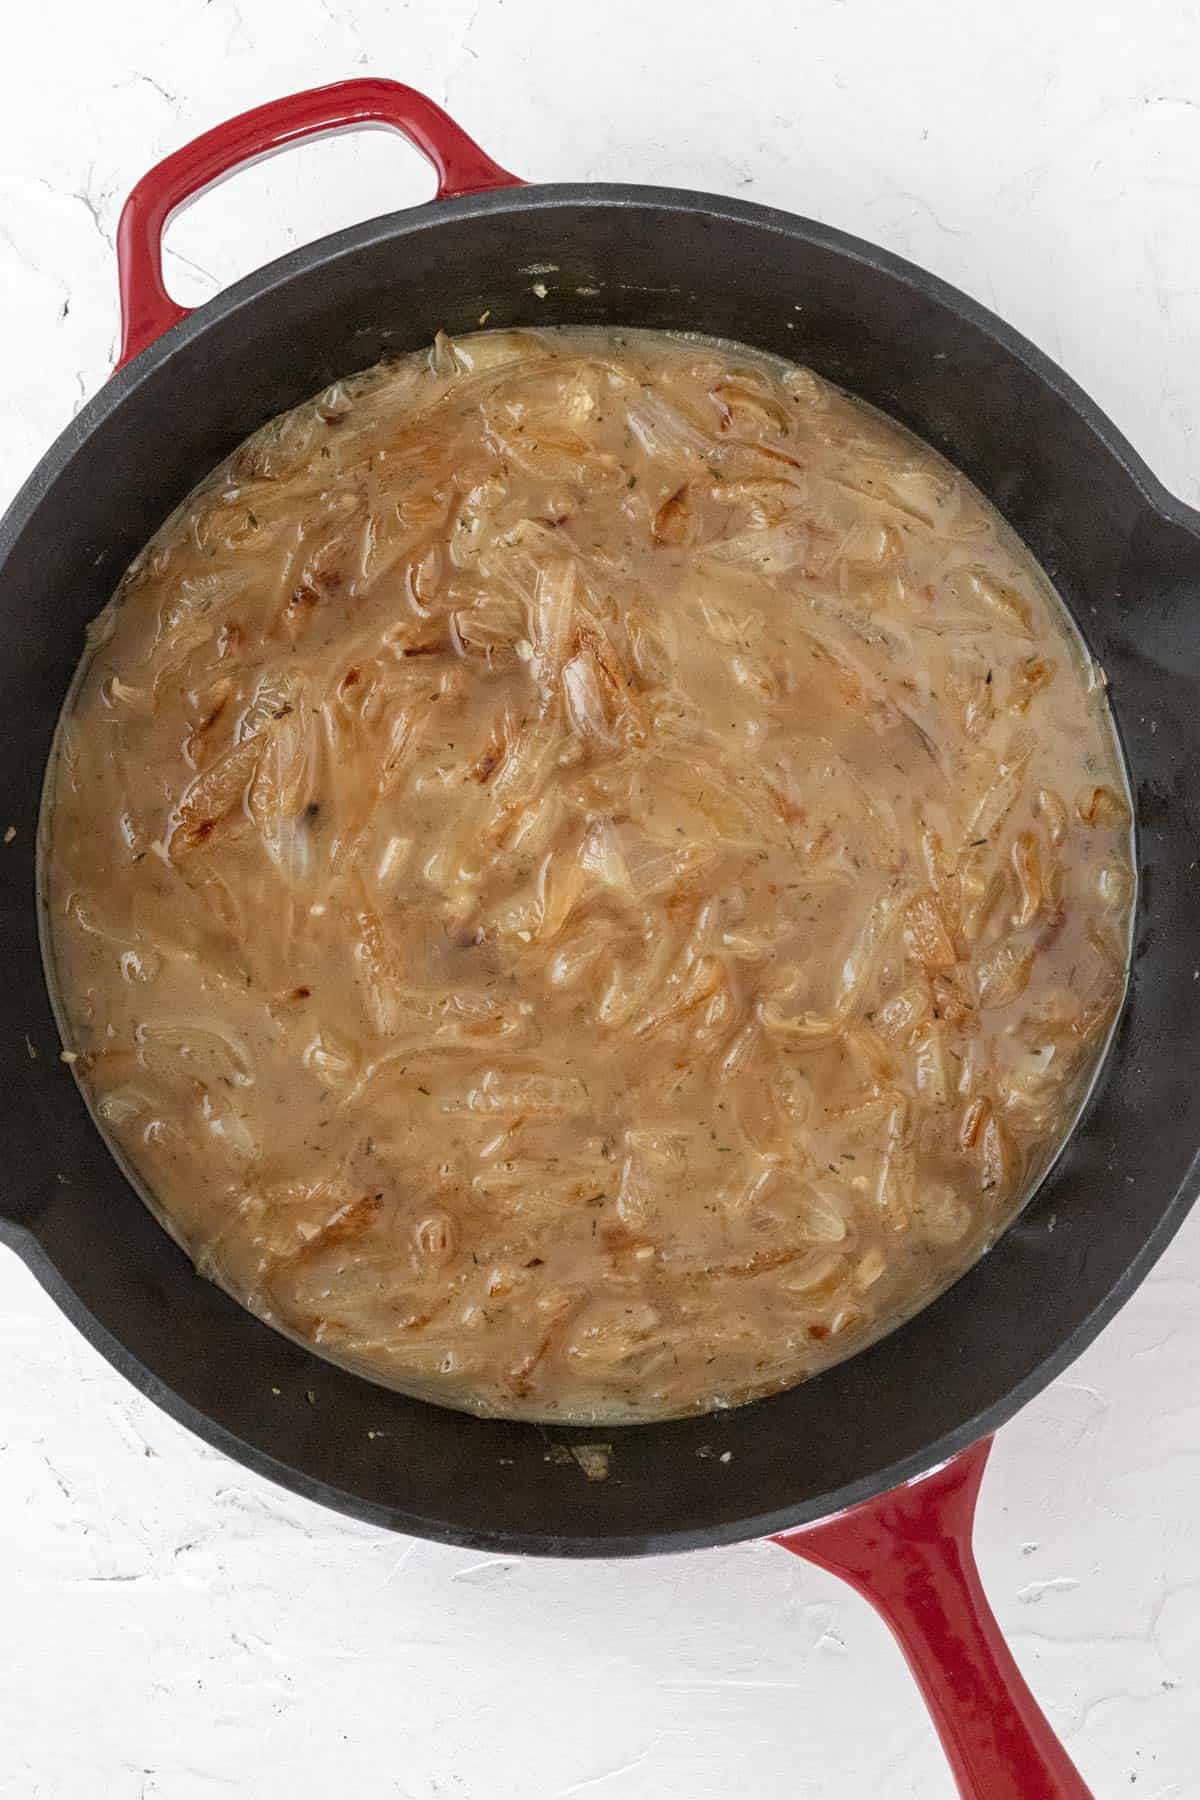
pixel 174 1628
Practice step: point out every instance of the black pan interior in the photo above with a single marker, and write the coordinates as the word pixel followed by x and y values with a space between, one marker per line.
pixel 1125 557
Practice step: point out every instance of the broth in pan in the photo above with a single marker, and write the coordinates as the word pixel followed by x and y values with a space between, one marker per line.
pixel 587 873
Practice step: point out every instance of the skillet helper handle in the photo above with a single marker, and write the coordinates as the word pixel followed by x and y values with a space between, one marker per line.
pixel 147 310
pixel 909 1553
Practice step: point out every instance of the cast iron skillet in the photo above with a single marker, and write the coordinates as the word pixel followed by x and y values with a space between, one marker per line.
pixel 1125 556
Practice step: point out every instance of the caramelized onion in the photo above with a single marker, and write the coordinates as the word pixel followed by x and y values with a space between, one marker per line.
pixel 559 879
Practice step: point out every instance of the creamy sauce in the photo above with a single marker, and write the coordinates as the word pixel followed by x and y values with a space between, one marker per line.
pixel 587 874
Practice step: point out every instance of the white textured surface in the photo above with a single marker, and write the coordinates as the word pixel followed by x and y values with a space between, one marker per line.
pixel 175 1629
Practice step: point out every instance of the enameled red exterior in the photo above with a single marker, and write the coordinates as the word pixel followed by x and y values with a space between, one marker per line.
pixel 147 310
pixel 909 1553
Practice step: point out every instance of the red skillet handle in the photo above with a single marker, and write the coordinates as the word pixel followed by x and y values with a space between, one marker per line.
pixel 147 310
pixel 909 1553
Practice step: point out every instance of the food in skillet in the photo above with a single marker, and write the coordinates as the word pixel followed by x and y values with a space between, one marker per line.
pixel 587 872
